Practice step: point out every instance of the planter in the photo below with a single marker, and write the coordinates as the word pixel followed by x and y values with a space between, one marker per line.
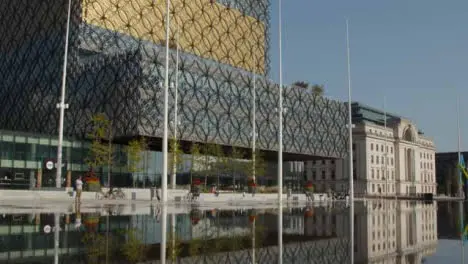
pixel 309 187
pixel 93 186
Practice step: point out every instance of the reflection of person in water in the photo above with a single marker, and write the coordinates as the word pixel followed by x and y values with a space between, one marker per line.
pixel 78 215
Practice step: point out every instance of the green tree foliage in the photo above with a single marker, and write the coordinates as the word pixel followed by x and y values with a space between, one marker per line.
pixel 219 161
pixel 95 246
pixel 318 90
pixel 235 165
pixel 100 152
pixel 195 161
pixel 208 160
pixel 134 151
pixel 174 246
pixel 133 249
pixel 177 155
pixel 260 164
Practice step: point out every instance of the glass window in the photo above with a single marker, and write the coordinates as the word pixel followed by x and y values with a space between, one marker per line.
pixel 372 146
pixel 7 149
pixel 22 151
pixel 43 152
pixel 77 155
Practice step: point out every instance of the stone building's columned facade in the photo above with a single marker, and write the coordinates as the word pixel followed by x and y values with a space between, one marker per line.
pixel 389 159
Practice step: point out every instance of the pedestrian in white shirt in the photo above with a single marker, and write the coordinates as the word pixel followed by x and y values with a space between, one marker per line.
pixel 79 188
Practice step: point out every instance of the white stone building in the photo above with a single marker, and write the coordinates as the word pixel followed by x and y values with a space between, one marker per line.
pixel 389 159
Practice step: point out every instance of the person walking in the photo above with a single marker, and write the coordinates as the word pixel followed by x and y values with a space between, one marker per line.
pixel 79 189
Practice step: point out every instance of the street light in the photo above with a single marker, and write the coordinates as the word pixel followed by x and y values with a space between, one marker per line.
pixel 280 112
pixel 62 106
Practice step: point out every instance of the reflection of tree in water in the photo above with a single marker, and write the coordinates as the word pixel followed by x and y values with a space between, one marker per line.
pixel 116 245
pixel 174 246
pixel 215 224
pixel 133 249
pixel 95 245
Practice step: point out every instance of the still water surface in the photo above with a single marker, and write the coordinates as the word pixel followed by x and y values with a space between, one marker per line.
pixel 384 232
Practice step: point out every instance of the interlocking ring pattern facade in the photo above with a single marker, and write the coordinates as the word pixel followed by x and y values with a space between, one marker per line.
pixel 117 71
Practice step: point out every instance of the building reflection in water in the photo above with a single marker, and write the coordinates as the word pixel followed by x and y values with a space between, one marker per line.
pixel 385 232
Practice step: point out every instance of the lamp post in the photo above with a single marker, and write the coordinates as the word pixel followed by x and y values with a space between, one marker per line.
pixel 280 112
pixel 166 110
pixel 62 106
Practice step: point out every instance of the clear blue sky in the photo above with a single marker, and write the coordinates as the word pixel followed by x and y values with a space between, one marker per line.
pixel 414 52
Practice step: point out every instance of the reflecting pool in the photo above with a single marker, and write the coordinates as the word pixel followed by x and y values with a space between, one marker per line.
pixel 385 231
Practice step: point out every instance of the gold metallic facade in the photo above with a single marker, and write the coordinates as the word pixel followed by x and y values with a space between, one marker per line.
pixel 205 28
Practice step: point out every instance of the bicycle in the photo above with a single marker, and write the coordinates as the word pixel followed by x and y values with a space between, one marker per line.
pixel 112 194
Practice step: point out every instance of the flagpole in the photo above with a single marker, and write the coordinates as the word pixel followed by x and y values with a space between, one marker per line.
pixel 280 111
pixel 385 148
pixel 254 126
pixel 350 155
pixel 166 109
pixel 62 106
pixel 176 122
pixel 460 174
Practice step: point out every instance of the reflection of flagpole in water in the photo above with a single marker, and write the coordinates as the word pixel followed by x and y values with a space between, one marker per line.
pixel 462 230
pixel 163 234
pixel 351 233
pixel 56 237
pixel 173 237
pixel 280 233
pixel 253 241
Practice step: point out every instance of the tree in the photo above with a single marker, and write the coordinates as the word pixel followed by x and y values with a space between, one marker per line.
pixel 177 155
pixel 101 152
pixel 234 165
pixel 133 248
pixel 208 150
pixel 260 164
pixel 194 160
pixel 301 84
pixel 219 162
pixel 134 152
pixel 318 90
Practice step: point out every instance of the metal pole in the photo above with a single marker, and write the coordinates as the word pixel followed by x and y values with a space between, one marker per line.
pixel 253 242
pixel 350 129
pixel 462 230
pixel 254 125
pixel 166 110
pixel 280 233
pixel 173 236
pixel 176 112
pixel 385 149
pixel 280 112
pixel 56 237
pixel 163 234
pixel 460 191
pixel 62 106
